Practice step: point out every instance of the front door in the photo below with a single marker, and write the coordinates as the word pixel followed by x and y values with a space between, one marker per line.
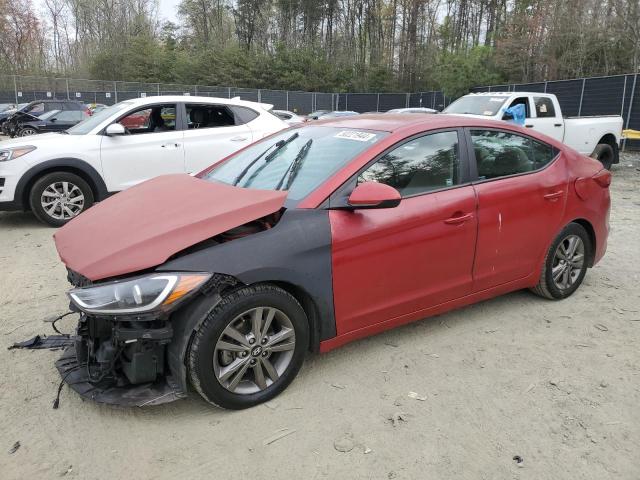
pixel 521 189
pixel 391 262
pixel 152 146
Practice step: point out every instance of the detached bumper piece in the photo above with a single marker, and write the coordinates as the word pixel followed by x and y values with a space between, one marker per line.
pixel 120 362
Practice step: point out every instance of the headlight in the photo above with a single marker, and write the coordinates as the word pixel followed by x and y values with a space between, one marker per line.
pixel 137 295
pixel 7 154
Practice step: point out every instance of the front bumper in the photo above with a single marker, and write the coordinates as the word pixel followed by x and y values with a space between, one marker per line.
pixel 121 361
pixel 107 391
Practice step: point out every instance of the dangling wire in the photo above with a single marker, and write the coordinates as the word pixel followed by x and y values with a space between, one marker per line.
pixel 53 323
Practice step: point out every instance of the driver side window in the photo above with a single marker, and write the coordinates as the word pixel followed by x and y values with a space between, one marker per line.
pixel 152 119
pixel 419 166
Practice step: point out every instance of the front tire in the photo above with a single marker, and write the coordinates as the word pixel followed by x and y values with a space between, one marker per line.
pixel 26 132
pixel 58 197
pixel 565 263
pixel 249 348
pixel 605 154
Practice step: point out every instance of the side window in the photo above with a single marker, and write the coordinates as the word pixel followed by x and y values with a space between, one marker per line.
pixel 544 107
pixel 499 154
pixel 209 116
pixel 244 114
pixel 69 116
pixel 521 101
pixel 418 166
pixel 36 109
pixel 154 119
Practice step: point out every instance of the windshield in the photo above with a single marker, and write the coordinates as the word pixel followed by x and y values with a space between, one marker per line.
pixel 477 105
pixel 97 118
pixel 297 160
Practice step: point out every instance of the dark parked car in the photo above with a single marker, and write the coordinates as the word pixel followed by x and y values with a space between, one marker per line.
pixel 8 109
pixel 34 110
pixel 53 121
pixel 314 237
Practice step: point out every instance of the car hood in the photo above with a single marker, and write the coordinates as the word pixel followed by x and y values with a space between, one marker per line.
pixel 35 140
pixel 143 226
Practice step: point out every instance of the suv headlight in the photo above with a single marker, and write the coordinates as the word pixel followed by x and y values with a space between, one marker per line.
pixel 156 291
pixel 12 153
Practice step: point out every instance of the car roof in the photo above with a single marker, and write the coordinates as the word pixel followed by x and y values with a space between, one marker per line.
pixel 507 94
pixel 192 98
pixel 392 122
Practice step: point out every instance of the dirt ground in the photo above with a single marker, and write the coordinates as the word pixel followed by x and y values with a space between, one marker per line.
pixel 557 383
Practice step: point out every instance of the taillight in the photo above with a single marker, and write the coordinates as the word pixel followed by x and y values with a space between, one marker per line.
pixel 603 178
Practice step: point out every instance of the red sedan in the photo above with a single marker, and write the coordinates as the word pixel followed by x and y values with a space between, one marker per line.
pixel 314 237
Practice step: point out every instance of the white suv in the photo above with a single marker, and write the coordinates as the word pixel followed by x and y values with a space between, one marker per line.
pixel 59 175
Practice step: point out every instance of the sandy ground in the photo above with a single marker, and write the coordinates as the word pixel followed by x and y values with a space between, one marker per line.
pixel 556 383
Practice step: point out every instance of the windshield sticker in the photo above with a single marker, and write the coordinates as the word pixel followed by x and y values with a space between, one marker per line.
pixel 355 135
pixel 496 99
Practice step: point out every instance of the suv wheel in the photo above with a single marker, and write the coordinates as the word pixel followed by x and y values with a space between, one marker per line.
pixel 249 348
pixel 58 197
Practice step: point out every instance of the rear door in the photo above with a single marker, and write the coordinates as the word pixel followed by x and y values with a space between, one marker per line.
pixel 212 132
pixel 521 185
pixel 153 146
pixel 391 262
pixel 546 118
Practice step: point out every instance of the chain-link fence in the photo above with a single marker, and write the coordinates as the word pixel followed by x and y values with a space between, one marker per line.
pixel 612 95
pixel 23 89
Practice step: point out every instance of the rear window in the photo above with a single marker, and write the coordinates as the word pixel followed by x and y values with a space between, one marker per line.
pixel 544 107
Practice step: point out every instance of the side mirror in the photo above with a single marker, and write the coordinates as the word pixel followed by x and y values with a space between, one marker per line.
pixel 53 119
pixel 374 195
pixel 507 116
pixel 115 129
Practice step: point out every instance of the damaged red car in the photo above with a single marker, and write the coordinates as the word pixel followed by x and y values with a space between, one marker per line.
pixel 312 238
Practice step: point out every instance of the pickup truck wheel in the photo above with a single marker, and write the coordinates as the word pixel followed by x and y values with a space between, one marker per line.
pixel 604 154
pixel 58 197
pixel 249 347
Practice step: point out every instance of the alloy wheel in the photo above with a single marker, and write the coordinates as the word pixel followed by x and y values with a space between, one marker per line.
pixel 568 262
pixel 254 350
pixel 27 132
pixel 62 200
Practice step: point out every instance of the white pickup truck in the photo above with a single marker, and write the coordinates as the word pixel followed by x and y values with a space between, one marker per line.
pixel 598 137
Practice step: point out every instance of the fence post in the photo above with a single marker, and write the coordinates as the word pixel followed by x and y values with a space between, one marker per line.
pixel 346 101
pixel 68 97
pixel 229 90
pixel 581 95
pixel 287 100
pixel 195 90
pixel 633 92
pixel 406 101
pixel 158 89
pixel 624 94
pixel 115 91
pixel 259 96
pixel 378 103
pixel 15 89
pixel 545 86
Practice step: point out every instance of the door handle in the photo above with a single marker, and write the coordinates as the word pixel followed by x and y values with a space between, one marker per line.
pixel 458 219
pixel 553 196
pixel 239 138
pixel 529 126
pixel 557 124
pixel 169 145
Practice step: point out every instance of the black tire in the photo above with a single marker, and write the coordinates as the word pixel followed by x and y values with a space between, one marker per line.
pixel 26 132
pixel 547 287
pixel 202 349
pixel 38 188
pixel 605 154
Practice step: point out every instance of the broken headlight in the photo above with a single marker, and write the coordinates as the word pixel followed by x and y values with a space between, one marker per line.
pixel 137 295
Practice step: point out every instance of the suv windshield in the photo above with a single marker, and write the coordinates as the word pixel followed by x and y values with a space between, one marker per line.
pixel 297 160
pixel 477 105
pixel 97 118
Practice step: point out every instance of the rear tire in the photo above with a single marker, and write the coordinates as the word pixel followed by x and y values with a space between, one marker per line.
pixel 605 154
pixel 225 346
pixel 51 205
pixel 565 263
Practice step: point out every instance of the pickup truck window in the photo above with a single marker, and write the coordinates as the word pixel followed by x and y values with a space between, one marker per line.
pixel 500 154
pixel 521 101
pixel 544 107
pixel 476 105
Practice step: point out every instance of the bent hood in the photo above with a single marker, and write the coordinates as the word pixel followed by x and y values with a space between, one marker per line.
pixel 143 226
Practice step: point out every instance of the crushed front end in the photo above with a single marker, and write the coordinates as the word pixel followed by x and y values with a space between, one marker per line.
pixel 122 338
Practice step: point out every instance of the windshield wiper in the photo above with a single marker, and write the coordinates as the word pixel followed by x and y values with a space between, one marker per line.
pixel 294 168
pixel 267 159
